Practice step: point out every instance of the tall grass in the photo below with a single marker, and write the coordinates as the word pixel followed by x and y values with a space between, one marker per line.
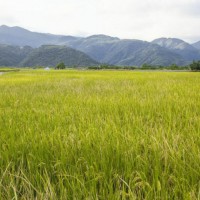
pixel 6 69
pixel 99 135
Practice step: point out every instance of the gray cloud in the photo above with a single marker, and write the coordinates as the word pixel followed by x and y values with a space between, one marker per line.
pixel 192 9
pixel 147 19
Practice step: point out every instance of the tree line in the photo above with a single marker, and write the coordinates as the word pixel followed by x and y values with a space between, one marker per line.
pixel 194 66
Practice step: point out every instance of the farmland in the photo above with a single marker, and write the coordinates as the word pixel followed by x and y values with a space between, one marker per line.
pixel 99 135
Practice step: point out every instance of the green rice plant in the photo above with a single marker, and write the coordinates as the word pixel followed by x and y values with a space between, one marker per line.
pixel 99 135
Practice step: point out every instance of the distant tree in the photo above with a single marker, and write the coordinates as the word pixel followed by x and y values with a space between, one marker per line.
pixel 195 66
pixel 60 66
pixel 147 66
pixel 104 66
pixel 173 67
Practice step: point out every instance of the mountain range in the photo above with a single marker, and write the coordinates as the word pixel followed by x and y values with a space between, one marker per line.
pixel 21 47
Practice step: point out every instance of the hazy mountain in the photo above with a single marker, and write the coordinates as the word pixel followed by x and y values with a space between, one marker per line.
pixel 106 49
pixel 196 45
pixel 13 55
pixel 154 55
pixel 112 50
pixel 22 37
pixel 187 51
pixel 51 55
pixel 97 46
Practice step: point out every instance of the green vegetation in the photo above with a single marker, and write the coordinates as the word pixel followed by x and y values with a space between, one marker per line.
pixel 105 66
pixel 143 67
pixel 160 67
pixel 7 69
pixel 60 66
pixel 13 55
pixel 51 55
pixel 195 66
pixel 99 135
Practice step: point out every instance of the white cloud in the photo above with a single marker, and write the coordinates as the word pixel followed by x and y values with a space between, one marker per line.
pixel 147 19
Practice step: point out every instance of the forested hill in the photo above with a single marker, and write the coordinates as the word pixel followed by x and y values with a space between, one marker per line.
pixel 47 55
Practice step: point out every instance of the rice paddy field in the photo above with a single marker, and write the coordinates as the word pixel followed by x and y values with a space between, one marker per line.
pixel 99 135
pixel 6 69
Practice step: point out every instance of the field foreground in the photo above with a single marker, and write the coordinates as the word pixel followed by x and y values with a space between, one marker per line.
pixel 99 135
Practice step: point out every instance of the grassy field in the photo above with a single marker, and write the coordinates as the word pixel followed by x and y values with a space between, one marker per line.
pixel 99 135
pixel 6 69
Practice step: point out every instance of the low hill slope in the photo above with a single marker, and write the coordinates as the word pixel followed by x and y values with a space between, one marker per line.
pixel 13 55
pixel 51 55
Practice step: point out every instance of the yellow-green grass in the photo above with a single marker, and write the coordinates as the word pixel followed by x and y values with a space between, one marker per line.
pixel 7 69
pixel 99 135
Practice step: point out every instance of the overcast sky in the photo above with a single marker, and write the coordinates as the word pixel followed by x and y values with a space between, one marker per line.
pixel 134 19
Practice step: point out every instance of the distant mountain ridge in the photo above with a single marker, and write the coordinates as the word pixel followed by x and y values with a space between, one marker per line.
pixel 18 36
pixel 106 49
pixel 187 51
pixel 196 45
pixel 124 52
